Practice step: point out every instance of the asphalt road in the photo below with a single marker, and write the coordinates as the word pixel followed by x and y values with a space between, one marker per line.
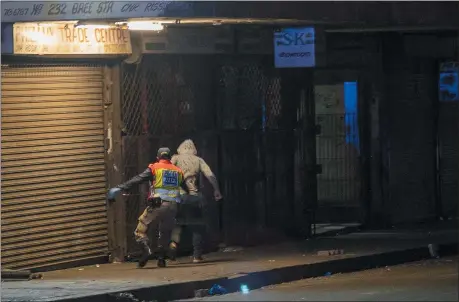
pixel 431 280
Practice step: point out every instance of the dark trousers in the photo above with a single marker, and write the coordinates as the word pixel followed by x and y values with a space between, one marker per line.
pixel 190 216
pixel 198 236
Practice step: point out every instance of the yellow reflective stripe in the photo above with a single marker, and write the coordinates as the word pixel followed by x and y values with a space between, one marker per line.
pixel 167 192
pixel 158 178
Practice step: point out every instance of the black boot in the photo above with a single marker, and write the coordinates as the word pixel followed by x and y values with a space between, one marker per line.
pixel 146 253
pixel 172 253
pixel 161 253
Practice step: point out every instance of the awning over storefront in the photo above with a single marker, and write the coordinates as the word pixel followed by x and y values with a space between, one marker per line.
pixel 315 12
pixel 26 11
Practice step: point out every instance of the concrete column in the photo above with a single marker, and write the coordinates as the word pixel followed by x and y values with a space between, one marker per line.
pixel 116 212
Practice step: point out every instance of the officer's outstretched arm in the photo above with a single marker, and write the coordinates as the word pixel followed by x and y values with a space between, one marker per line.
pixel 146 175
pixel 142 177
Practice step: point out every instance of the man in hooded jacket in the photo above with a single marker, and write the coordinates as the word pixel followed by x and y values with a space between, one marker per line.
pixel 190 212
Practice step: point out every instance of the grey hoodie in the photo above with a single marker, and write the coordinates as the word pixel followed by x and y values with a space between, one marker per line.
pixel 192 166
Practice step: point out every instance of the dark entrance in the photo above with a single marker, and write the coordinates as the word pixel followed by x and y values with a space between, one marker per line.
pixel 251 122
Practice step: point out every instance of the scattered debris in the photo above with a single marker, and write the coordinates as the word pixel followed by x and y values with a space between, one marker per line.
pixel 97 265
pixel 244 289
pixel 81 269
pixel 271 260
pixel 129 296
pixel 433 250
pixel 327 274
pixel 217 290
pixel 36 276
pixel 15 274
pixel 201 293
pixel 232 249
pixel 330 252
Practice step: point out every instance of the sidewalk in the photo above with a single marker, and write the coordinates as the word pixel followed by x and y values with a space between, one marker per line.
pixel 256 267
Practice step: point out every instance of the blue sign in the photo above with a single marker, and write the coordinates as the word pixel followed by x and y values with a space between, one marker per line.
pixel 294 47
pixel 449 82
pixel 170 178
pixel 7 38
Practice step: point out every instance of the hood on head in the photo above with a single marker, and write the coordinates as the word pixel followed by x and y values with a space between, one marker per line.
pixel 187 147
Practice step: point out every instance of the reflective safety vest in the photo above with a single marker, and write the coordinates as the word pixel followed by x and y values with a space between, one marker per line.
pixel 166 181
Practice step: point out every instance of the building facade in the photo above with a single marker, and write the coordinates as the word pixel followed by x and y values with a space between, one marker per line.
pixel 361 133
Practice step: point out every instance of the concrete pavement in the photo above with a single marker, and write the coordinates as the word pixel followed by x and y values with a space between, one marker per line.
pixel 257 267
pixel 429 280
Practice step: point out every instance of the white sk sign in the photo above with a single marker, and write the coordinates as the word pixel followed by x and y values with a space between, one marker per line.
pixel 294 48
pixel 23 11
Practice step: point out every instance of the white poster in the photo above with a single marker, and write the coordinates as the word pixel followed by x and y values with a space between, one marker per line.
pixel 294 48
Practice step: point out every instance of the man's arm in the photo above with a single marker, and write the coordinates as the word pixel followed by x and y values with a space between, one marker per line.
pixel 146 175
pixel 205 169
pixel 183 183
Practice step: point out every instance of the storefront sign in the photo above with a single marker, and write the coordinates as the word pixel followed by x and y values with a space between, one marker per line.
pixel 66 39
pixel 449 82
pixel 294 48
pixel 24 11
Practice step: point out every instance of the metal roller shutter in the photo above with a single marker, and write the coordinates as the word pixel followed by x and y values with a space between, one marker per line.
pixel 449 154
pixel 411 139
pixel 53 171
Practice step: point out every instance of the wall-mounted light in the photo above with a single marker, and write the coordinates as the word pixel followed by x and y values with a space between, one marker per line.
pixel 40 37
pixel 93 26
pixel 143 25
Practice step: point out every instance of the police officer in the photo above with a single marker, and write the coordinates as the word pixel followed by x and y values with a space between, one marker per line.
pixel 165 182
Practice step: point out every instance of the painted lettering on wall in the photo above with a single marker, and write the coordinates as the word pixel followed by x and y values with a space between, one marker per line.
pixel 65 38
pixel 19 11
pixel 105 8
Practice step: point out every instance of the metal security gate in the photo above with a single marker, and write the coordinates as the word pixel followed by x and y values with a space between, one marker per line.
pixel 410 145
pixel 165 99
pixel 338 154
pixel 243 124
pixel 53 171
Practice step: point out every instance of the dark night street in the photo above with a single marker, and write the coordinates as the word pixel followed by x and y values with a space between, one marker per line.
pixel 431 280
pixel 156 151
